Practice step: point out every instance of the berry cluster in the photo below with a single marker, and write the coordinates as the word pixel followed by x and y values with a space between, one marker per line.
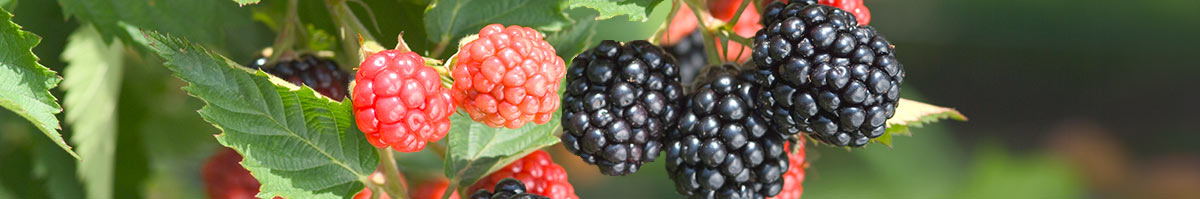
pixel 537 172
pixel 507 77
pixel 619 101
pixel 507 188
pixel 821 73
pixel 721 147
pixel 321 74
pixel 399 102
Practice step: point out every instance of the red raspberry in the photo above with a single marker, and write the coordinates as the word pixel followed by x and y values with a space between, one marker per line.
pixel 366 193
pixel 793 180
pixel 224 178
pixel 399 102
pixel 507 77
pixel 433 189
pixel 685 23
pixel 540 175
pixel 853 6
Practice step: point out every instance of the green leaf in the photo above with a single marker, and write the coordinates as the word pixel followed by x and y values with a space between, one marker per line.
pixel 448 20
pixel 475 150
pixel 245 2
pixel 215 23
pixel 92 83
pixel 636 9
pixel 24 84
pixel 574 39
pixel 297 143
pixel 911 113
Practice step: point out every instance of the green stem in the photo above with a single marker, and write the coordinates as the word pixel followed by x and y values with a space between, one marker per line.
pixel 287 36
pixel 352 29
pixel 738 15
pixel 391 173
pixel 662 30
pixel 710 45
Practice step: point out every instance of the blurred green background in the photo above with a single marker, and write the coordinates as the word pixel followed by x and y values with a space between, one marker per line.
pixel 1067 99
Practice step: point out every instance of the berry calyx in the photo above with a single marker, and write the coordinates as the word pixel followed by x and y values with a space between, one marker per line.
pixel 507 77
pixel 537 174
pixel 399 102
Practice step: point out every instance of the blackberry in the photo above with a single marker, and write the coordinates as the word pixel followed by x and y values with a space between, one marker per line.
pixel 720 148
pixel 691 55
pixel 822 74
pixel 321 74
pixel 619 100
pixel 509 188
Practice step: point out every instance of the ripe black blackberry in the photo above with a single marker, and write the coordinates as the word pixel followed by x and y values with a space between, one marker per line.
pixel 691 55
pixel 321 74
pixel 619 100
pixel 821 73
pixel 508 188
pixel 721 148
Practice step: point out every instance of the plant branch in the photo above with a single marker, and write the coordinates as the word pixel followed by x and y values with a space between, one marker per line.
pixel 707 32
pixel 658 35
pixel 287 35
pixel 391 173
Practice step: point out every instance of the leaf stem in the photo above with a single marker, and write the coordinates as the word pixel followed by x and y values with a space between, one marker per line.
pixel 391 173
pixel 441 47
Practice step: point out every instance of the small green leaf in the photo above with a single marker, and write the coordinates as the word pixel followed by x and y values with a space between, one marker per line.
pixel 475 150
pixel 449 20
pixel 574 39
pixel 911 113
pixel 245 2
pixel 297 143
pixel 92 83
pixel 24 84
pixel 638 10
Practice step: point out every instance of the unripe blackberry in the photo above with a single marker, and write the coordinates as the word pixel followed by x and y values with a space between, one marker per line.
pixel 821 73
pixel 720 147
pixel 321 74
pixel 619 100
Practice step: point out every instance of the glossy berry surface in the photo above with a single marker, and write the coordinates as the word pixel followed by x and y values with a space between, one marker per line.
pixel 821 73
pixel 507 77
pixel 321 74
pixel 720 148
pixel 536 173
pixel 399 102
pixel 619 100
pixel 507 188
pixel 793 180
